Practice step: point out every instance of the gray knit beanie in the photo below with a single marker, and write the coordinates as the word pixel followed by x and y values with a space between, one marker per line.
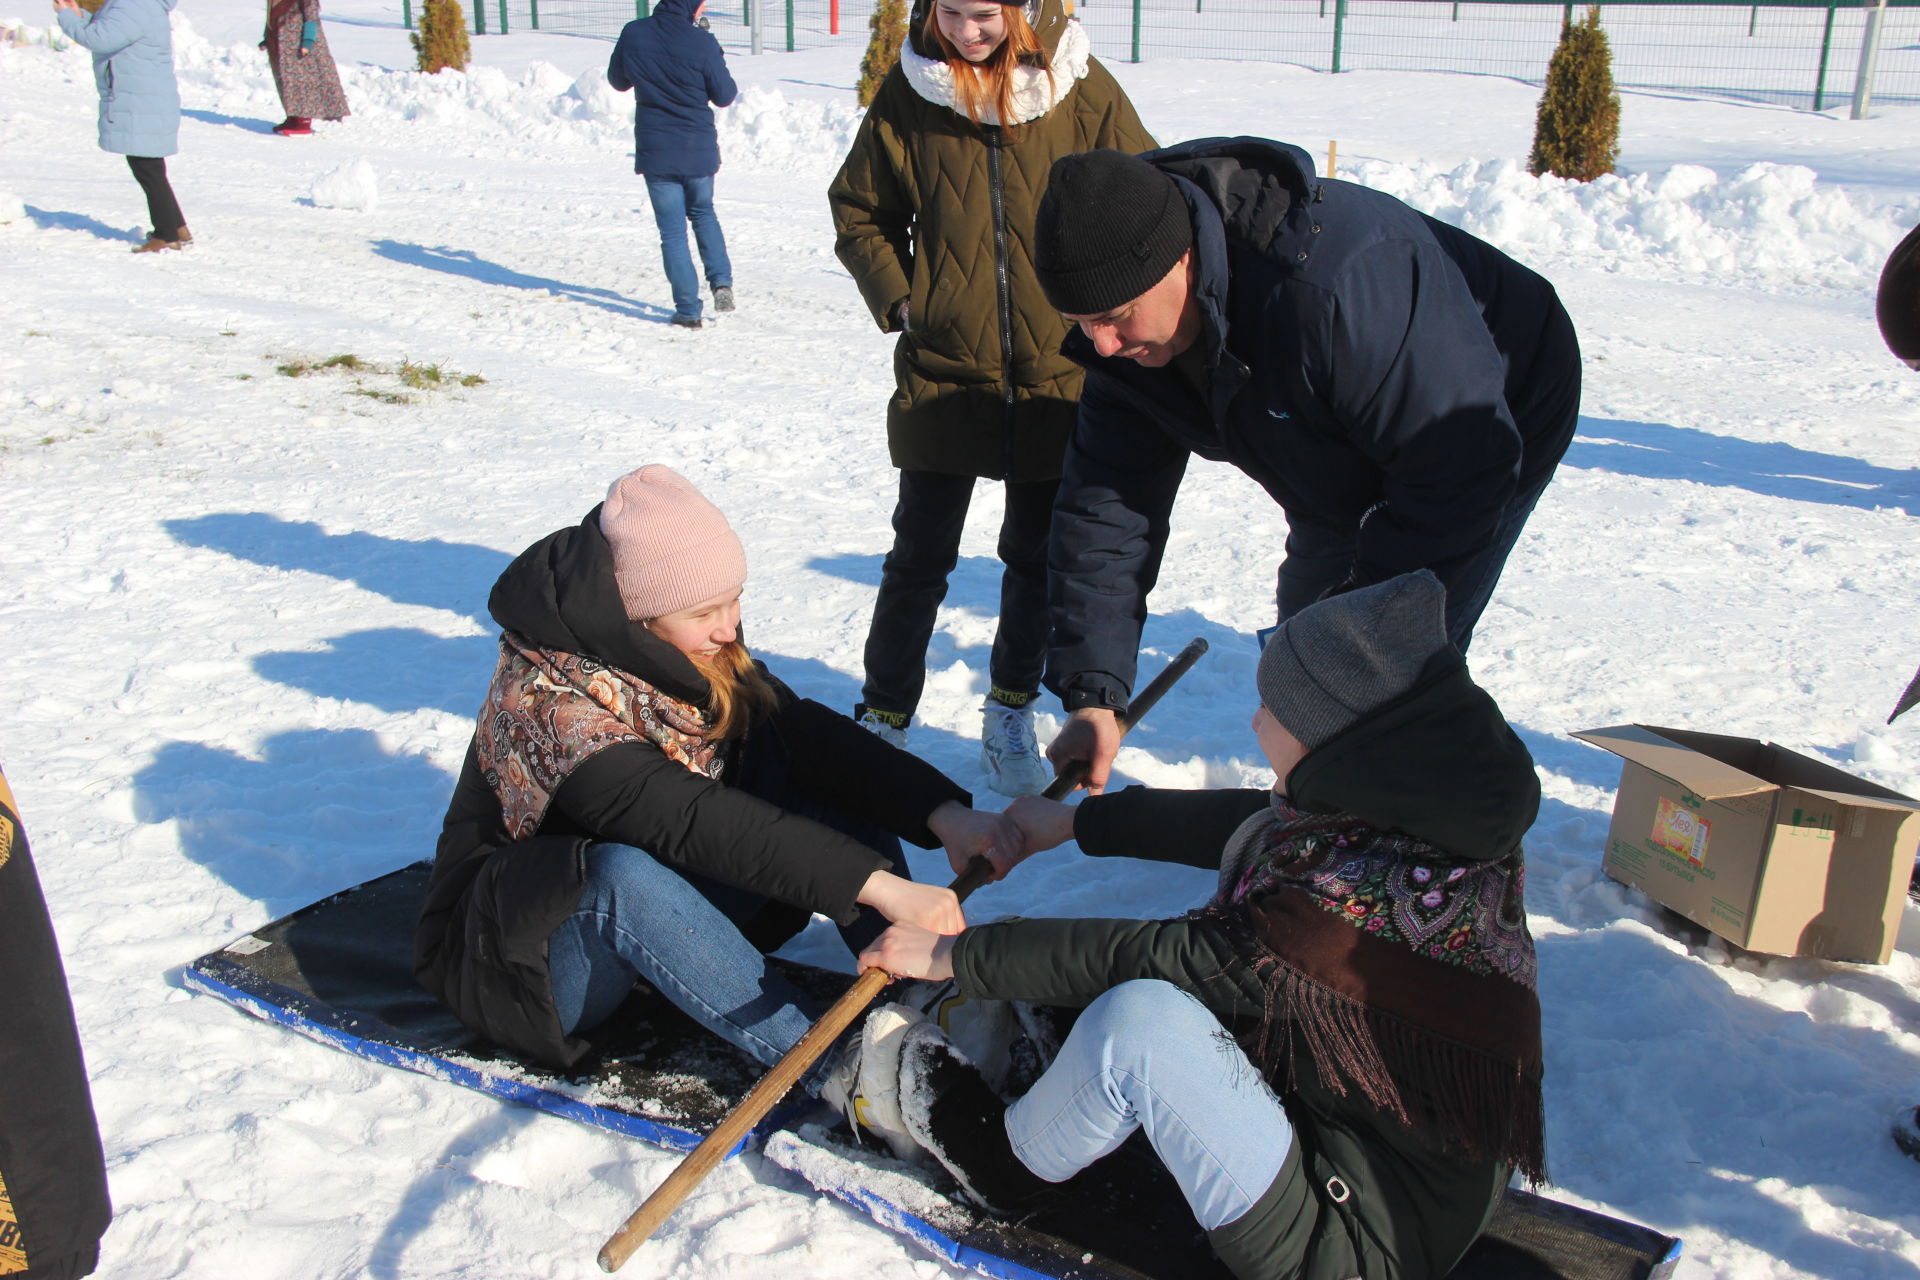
pixel 1339 658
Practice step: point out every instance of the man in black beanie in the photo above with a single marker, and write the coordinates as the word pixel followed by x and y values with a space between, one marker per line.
pixel 1402 389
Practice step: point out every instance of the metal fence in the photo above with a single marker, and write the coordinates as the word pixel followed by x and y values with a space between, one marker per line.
pixel 1803 53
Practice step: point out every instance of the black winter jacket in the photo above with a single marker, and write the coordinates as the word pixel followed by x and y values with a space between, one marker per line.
pixel 492 901
pixel 1378 372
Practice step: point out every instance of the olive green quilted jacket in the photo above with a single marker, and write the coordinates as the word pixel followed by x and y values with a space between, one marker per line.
pixel 937 211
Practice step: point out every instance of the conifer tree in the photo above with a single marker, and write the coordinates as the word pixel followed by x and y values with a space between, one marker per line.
pixel 889 27
pixel 441 40
pixel 1577 131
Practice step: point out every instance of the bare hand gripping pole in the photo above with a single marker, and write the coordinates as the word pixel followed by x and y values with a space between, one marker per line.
pixel 774 1085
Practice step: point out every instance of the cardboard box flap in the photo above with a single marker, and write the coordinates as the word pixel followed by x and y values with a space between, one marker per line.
pixel 1676 756
pixel 1850 798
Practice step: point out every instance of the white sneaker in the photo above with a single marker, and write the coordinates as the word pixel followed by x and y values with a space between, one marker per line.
pixel 879 728
pixel 864 1085
pixel 1008 751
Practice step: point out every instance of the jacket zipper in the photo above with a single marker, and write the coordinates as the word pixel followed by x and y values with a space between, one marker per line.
pixel 1003 284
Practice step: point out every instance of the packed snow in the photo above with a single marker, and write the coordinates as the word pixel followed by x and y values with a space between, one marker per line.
pixel 245 587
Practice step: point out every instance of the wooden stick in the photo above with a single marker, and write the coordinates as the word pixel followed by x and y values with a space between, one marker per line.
pixel 1333 149
pixel 750 1110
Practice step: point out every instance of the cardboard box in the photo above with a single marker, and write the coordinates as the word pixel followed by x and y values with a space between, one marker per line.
pixel 1770 849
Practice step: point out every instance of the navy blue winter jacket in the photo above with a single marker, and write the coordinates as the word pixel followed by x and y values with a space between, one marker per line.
pixel 674 69
pixel 1381 374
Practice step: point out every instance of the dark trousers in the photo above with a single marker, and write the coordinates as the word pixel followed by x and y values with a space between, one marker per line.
pixel 927 522
pixel 1319 558
pixel 50 1161
pixel 162 209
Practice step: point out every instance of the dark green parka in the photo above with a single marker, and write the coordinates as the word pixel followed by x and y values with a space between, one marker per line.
pixel 935 210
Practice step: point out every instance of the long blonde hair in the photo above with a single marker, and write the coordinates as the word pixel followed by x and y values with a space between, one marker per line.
pixel 977 85
pixel 738 693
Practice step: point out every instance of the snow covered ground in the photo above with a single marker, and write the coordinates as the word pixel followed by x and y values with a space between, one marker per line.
pixel 246 609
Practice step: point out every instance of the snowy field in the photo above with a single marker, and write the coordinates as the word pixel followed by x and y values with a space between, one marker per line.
pixel 246 608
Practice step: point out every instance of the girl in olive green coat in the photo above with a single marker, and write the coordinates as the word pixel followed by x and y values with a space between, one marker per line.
pixel 933 211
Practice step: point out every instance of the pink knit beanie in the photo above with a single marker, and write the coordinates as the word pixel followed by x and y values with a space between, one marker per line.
pixel 672 549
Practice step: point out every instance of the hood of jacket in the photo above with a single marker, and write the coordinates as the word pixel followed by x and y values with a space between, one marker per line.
pixel 1439 763
pixel 667 11
pixel 1035 92
pixel 560 594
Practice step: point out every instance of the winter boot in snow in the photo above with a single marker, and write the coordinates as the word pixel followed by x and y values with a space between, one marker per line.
pixel 950 1110
pixel 1906 1131
pixel 723 297
pixel 686 322
pixel 1009 753
pixel 864 1085
pixel 294 127
pixel 890 726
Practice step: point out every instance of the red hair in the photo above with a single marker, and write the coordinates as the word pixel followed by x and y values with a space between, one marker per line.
pixel 989 82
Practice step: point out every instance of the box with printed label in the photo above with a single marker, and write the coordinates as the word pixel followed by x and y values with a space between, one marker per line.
pixel 1772 850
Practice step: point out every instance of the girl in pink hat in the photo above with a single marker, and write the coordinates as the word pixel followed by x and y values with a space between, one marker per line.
pixel 644 801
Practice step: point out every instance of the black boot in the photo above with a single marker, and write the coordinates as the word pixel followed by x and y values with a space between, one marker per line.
pixel 953 1113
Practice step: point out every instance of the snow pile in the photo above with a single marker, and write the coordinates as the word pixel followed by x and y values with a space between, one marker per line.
pixel 1771 223
pixel 351 186
pixel 12 208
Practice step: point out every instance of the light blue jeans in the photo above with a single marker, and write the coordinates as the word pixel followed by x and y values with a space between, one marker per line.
pixel 678 200
pixel 641 919
pixel 1148 1055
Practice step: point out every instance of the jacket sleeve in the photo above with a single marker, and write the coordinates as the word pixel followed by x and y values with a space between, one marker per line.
pixel 1163 824
pixel 617 65
pixel 633 794
pixel 836 761
pixel 1071 962
pixel 873 213
pixel 110 30
pixel 1409 369
pixel 721 90
pixel 1117 487
pixel 1119 127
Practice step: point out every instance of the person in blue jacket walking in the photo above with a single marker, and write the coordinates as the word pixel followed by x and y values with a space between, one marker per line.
pixel 132 45
pixel 676 69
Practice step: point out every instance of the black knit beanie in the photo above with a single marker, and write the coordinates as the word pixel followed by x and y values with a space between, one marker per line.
pixel 1110 227
pixel 1339 658
pixel 1898 305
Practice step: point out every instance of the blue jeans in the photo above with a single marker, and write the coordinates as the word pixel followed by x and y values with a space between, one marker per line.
pixel 640 919
pixel 677 200
pixel 1148 1055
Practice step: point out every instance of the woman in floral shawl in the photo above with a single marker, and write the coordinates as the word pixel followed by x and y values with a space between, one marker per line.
pixel 643 801
pixel 303 69
pixel 1338 1057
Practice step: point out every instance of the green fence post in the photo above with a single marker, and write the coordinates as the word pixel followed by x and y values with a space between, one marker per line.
pixel 533 13
pixel 1753 20
pixel 1826 51
pixel 789 26
pixel 503 16
pixel 1339 30
pixel 1136 30
pixel 479 17
pixel 1456 10
pixel 406 14
pixel 639 8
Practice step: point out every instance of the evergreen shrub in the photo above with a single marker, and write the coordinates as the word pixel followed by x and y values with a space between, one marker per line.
pixel 889 27
pixel 1577 131
pixel 441 40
